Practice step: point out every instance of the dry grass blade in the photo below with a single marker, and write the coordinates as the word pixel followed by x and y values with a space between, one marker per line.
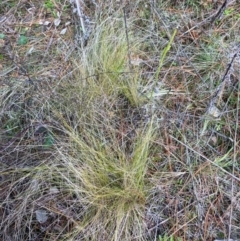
pixel 236 142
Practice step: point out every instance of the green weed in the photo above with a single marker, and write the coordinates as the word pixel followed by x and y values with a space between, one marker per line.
pixel 49 4
pixel 168 238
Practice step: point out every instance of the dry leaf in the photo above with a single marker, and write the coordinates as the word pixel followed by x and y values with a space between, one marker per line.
pixel 57 21
pixel 214 111
pixel 63 31
pixel 41 215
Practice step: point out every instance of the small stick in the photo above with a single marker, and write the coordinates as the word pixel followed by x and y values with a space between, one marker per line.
pixel 80 16
pixel 220 11
pixel 219 91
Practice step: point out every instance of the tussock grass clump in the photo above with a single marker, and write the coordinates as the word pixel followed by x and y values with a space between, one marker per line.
pixel 109 184
pixel 104 63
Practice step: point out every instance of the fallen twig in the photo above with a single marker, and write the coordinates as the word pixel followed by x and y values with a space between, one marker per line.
pixel 79 10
